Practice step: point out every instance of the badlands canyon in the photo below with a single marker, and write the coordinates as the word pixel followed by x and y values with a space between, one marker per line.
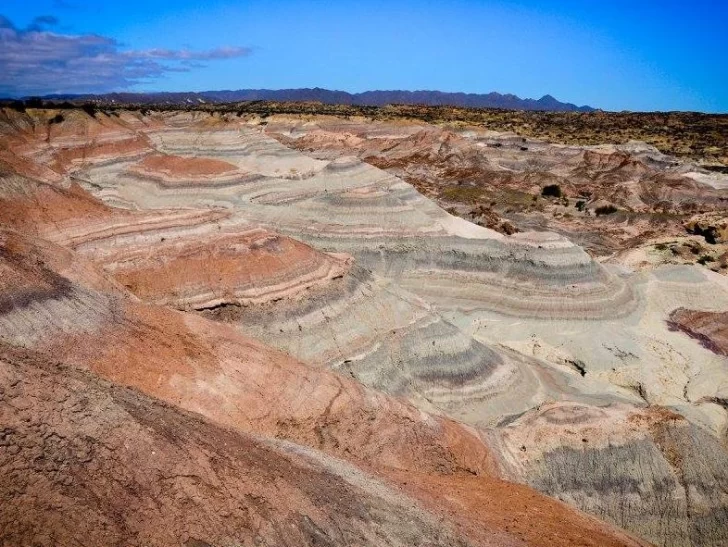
pixel 222 328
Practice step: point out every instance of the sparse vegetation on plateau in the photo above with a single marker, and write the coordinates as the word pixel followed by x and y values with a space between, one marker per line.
pixel 691 135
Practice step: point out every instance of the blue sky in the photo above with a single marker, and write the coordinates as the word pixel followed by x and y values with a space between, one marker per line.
pixel 648 55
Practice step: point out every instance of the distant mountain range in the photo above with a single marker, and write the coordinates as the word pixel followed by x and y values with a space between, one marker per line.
pixel 326 96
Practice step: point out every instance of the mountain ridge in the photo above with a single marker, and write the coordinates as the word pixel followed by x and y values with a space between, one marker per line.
pixel 327 96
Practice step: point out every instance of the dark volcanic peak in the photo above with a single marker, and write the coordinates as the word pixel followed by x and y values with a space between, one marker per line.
pixel 326 96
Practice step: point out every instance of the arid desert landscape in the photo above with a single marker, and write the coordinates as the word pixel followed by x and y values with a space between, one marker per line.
pixel 288 324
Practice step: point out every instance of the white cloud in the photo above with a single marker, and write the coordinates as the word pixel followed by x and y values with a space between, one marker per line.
pixel 37 61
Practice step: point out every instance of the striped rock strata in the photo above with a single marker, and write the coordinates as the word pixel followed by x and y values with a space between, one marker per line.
pixel 74 441
pixel 347 267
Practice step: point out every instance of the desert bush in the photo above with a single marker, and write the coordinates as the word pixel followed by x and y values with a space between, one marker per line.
pixel 18 106
pixel 551 190
pixel 90 109
pixel 464 194
pixel 605 210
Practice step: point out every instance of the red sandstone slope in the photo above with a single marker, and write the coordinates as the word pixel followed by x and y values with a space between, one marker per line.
pixel 84 461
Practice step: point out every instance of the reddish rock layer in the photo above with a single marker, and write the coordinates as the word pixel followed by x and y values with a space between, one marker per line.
pixel 86 461
pixel 83 461
pixel 187 167
pixel 709 328
pixel 213 369
pixel 165 257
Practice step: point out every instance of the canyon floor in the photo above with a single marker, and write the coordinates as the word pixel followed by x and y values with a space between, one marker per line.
pixel 227 328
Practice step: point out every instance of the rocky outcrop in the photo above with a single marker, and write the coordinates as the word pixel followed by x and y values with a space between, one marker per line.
pixel 713 228
pixel 468 170
pixel 708 328
pixel 630 467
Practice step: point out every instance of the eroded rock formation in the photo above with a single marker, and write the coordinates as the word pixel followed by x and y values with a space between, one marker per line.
pixel 322 312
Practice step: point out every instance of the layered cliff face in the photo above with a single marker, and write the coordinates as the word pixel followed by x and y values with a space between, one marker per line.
pixel 319 299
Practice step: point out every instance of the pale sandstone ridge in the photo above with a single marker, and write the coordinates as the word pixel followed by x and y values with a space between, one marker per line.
pixel 340 286
pixel 348 206
pixel 484 176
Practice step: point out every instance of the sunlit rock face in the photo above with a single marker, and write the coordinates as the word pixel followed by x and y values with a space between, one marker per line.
pixel 269 279
pixel 109 404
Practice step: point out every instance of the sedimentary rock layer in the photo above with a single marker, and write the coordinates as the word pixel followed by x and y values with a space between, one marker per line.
pixel 129 463
pixel 631 467
pixel 313 287
pixel 86 461
pixel 348 206
pixel 487 177
pixel 710 329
